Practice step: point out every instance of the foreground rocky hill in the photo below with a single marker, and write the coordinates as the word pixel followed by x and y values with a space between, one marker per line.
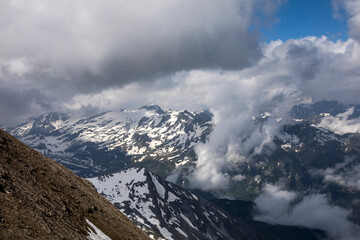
pixel 40 199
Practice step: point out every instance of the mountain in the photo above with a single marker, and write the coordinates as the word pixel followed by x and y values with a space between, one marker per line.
pixel 173 212
pixel 331 107
pixel 40 199
pixel 111 141
pixel 176 213
pixel 317 151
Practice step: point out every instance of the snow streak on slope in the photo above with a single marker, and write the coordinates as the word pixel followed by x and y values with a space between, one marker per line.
pixel 97 234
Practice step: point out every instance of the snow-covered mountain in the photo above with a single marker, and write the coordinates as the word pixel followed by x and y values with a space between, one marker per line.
pixel 173 212
pixel 318 151
pixel 176 213
pixel 110 141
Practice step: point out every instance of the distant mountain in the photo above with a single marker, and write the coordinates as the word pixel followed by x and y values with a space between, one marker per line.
pixel 111 141
pixel 40 199
pixel 176 213
pixel 310 157
pixel 331 107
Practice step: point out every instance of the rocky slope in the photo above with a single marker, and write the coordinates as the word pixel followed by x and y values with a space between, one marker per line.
pixel 40 199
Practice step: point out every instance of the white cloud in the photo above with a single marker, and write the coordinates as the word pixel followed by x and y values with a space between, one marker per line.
pixel 273 202
pixel 238 177
pixel 352 8
pixel 341 124
pixel 345 174
pixel 279 206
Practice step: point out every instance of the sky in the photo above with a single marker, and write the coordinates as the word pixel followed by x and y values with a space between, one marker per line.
pixel 236 58
pixel 302 18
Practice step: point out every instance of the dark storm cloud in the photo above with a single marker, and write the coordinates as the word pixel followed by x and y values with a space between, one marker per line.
pixel 307 60
pixel 232 51
pixel 17 106
pixel 93 45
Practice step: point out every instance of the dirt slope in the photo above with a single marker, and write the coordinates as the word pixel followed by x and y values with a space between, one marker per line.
pixel 41 199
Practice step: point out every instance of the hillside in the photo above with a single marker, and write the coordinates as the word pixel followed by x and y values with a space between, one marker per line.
pixel 41 199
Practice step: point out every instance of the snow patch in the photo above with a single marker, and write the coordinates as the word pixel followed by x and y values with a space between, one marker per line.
pixel 159 188
pixel 98 234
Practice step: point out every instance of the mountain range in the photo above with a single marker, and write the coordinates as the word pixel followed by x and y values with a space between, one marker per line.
pixel 111 141
pixel 317 151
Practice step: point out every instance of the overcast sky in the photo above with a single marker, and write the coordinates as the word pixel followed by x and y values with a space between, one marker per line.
pixel 60 54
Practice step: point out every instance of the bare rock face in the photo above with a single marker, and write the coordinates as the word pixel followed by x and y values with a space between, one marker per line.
pixel 41 199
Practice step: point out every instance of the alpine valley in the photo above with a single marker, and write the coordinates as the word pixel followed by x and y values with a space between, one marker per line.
pixel 318 151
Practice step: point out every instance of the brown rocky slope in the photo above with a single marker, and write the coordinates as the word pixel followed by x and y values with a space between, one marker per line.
pixel 41 199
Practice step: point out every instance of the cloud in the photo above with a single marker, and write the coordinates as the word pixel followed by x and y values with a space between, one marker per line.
pixel 345 174
pixel 327 69
pixel 289 64
pixel 91 44
pixel 278 206
pixel 66 48
pixel 28 102
pixel 352 9
pixel 289 71
pixel 341 124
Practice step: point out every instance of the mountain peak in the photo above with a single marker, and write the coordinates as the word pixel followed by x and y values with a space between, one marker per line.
pixel 153 107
